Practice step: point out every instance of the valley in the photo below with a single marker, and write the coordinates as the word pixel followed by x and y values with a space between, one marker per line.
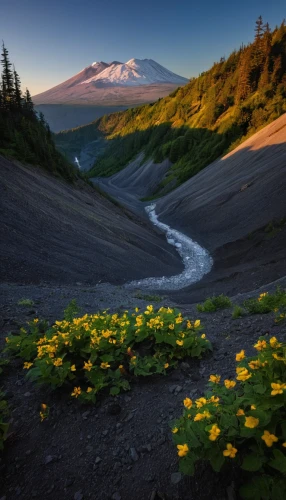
pixel 62 117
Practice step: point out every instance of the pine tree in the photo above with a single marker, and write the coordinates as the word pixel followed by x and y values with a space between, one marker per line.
pixel 17 90
pixel 28 103
pixel 259 29
pixel 7 78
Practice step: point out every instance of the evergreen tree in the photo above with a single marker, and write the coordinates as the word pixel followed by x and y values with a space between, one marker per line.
pixel 7 78
pixel 17 90
pixel 28 103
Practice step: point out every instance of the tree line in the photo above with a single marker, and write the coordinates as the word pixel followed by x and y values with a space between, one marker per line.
pixel 206 118
pixel 24 134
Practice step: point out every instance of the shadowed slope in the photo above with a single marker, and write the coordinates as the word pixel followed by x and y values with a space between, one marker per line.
pixel 236 208
pixel 53 232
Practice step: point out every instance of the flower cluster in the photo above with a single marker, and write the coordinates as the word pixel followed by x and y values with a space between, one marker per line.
pixel 242 418
pixel 103 349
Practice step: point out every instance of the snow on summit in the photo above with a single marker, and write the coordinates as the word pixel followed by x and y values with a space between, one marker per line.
pixel 135 72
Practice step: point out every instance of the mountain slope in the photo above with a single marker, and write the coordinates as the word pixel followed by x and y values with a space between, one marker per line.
pixel 200 121
pixel 53 232
pixel 236 208
pixel 136 81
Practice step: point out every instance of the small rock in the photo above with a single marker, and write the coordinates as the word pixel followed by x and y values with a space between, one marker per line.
pixel 134 454
pixel 78 495
pixel 28 452
pixel 185 366
pixel 116 496
pixel 48 459
pixel 97 460
pixel 27 394
pixel 89 448
pixel 172 389
pixel 127 399
pixel 69 481
pixel 176 477
pixel 178 389
pixel 129 417
pixel 161 440
pixel 85 415
pixel 104 433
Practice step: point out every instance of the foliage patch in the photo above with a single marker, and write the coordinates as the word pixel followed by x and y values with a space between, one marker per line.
pixel 106 350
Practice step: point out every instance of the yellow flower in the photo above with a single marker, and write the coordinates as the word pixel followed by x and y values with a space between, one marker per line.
pixel 277 389
pixel 179 319
pixel 136 309
pixel 240 412
pixel 44 406
pixel 197 323
pixel 203 336
pixel 133 360
pixel 58 362
pixel 253 407
pixel 229 384
pixel 27 365
pixel 89 389
pixel 251 422
pixel 254 364
pixel 87 366
pixel 214 432
pixel 179 342
pixel 189 324
pixel 201 402
pixel 175 430
pixel 284 444
pixel 230 451
pixel 215 379
pixel 279 358
pixel 171 326
pixel 261 296
pixel 188 403
pixel 201 416
pixel 182 449
pixel 104 366
pixel 269 439
pixel 240 355
pixel 261 344
pixel 274 342
pixel 214 400
pixel 243 374
pixel 166 365
pixel 76 391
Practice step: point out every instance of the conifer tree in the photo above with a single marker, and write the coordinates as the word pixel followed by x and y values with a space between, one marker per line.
pixel 28 104
pixel 17 90
pixel 7 78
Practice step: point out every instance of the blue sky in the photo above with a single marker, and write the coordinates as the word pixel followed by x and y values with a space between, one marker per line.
pixel 50 41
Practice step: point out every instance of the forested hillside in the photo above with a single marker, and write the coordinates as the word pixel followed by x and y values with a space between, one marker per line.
pixel 202 120
pixel 23 135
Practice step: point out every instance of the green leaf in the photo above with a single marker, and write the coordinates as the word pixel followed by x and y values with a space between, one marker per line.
pixel 252 462
pixel 187 465
pixel 259 388
pixel 279 462
pixel 216 458
pixel 114 391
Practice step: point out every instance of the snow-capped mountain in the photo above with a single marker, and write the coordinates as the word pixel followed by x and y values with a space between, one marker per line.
pixel 134 82
pixel 136 72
